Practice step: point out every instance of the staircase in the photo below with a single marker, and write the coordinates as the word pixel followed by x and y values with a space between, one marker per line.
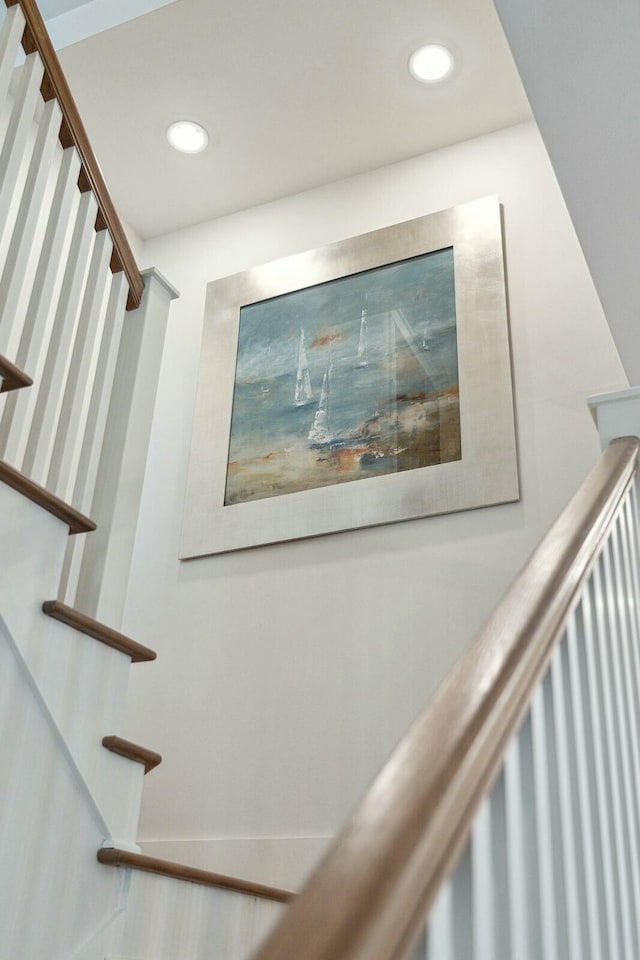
pixel 88 327
pixel 71 787
pixel 506 823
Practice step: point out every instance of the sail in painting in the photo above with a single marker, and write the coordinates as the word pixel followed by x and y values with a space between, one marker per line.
pixel 303 393
pixel 320 434
pixel 362 342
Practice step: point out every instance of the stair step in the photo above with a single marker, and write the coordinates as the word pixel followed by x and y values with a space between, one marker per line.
pixel 12 377
pixel 124 858
pixel 75 520
pixel 93 628
pixel 132 751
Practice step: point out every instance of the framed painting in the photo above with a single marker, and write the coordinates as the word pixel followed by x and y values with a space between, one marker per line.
pixel 363 383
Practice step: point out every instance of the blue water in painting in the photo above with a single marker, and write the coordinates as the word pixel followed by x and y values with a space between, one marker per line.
pixel 411 352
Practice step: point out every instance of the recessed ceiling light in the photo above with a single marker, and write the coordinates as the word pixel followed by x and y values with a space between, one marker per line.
pixel 431 63
pixel 187 137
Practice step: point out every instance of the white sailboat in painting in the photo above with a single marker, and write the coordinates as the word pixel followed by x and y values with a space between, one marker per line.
pixel 362 343
pixel 425 342
pixel 303 394
pixel 320 434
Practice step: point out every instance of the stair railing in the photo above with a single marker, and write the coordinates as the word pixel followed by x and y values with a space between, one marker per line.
pixel 72 133
pixel 509 815
pixel 67 279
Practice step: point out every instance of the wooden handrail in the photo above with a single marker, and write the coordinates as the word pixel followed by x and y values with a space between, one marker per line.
pixel 73 133
pixel 369 897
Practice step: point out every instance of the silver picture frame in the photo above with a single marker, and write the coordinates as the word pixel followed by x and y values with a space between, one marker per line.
pixel 486 472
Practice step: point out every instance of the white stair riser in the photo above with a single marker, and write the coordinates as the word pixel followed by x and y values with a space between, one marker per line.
pixel 53 893
pixel 82 678
pixel 82 681
pixel 33 544
pixel 117 783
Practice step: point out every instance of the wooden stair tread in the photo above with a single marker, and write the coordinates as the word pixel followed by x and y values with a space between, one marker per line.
pixel 12 377
pixel 75 520
pixel 124 858
pixel 132 751
pixel 93 628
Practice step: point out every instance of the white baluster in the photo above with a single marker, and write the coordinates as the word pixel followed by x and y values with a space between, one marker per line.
pixel 45 417
pixel 499 841
pixel 549 895
pixel 568 807
pixel 523 887
pixel 635 521
pixel 604 806
pixel 76 400
pixel 632 664
pixel 634 541
pixel 21 248
pixel 32 351
pixel 631 545
pixel 625 552
pixel 101 393
pixel 629 657
pixel 10 37
pixel 622 718
pixel 482 886
pixel 12 159
pixel 582 744
pixel 462 908
pixel 490 886
pixel 94 429
pixel 443 924
pixel 612 766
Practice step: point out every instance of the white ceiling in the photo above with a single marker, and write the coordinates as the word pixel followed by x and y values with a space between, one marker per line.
pixel 582 68
pixel 294 93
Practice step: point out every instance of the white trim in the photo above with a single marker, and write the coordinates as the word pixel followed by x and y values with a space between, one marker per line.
pixel 152 273
pixel 616 414
pixel 597 399
pixel 113 844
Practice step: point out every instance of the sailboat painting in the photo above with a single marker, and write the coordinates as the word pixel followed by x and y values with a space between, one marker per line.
pixel 346 380
pixel 361 383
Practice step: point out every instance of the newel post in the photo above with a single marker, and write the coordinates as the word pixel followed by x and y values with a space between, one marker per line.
pixel 616 414
pixel 106 561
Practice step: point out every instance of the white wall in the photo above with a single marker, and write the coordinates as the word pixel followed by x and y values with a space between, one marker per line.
pixel 271 723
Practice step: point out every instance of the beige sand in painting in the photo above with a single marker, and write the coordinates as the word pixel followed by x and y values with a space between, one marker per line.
pixel 423 434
